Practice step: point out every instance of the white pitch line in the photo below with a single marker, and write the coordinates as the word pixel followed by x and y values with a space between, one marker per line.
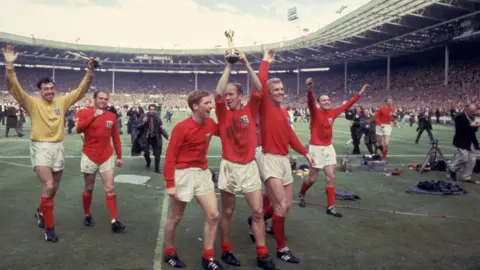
pixel 394 139
pixel 158 261
pixel 16 164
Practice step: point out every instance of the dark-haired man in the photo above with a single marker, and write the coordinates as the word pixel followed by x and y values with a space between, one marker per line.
pixel 47 152
pixel 99 128
pixel 187 175
pixel 238 169
pixel 321 146
pixel 150 132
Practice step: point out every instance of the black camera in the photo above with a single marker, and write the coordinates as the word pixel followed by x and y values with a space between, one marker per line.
pixel 434 142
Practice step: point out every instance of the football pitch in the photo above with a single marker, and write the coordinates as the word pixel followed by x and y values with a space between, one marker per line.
pixel 386 229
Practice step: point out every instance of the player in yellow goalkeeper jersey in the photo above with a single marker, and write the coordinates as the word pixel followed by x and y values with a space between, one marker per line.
pixel 47 114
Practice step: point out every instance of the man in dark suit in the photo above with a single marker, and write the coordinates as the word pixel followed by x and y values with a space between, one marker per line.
pixel 12 119
pixel 150 132
pixel 367 124
pixel 3 112
pixel 465 139
pixel 134 120
pixel 425 124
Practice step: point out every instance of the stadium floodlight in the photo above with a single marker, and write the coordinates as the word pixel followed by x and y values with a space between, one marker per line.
pixel 292 14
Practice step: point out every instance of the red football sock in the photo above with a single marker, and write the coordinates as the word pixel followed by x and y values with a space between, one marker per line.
pixel 267 207
pixel 47 211
pixel 305 186
pixel 112 205
pixel 226 247
pixel 384 152
pixel 40 208
pixel 208 254
pixel 262 251
pixel 169 251
pixel 278 224
pixel 87 201
pixel 330 196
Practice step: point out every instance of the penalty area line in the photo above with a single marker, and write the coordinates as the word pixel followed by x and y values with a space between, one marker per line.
pixel 158 256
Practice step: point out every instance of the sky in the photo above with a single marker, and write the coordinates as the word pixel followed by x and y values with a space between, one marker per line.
pixel 168 24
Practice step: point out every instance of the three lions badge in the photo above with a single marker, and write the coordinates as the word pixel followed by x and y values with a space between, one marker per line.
pixel 244 120
pixel 109 124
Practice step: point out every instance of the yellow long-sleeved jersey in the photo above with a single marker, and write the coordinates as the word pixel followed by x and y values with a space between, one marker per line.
pixel 47 117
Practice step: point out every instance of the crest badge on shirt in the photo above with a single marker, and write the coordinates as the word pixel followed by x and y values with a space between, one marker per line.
pixel 109 124
pixel 330 121
pixel 244 119
pixel 208 137
pixel 57 111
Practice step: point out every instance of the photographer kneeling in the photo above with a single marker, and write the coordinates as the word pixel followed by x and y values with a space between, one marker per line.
pixel 466 142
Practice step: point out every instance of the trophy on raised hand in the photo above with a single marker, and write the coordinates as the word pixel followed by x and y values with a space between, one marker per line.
pixel 231 56
pixel 96 62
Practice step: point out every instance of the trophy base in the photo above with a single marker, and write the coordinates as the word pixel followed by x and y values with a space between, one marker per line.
pixel 96 64
pixel 232 58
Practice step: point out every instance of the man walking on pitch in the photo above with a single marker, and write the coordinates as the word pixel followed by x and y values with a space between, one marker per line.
pixel 48 115
pixel 238 169
pixel 384 118
pixel 99 128
pixel 277 135
pixel 321 132
pixel 187 175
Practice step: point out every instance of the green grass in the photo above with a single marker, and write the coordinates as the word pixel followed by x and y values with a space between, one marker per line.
pixel 363 239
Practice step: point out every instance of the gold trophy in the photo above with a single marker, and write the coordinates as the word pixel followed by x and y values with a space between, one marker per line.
pixel 232 57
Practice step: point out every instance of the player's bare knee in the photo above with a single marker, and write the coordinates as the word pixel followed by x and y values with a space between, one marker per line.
pixel 330 179
pixel 257 213
pixel 212 218
pixel 49 188
pixel 281 208
pixel 227 212
pixel 312 175
pixel 175 218
pixel 109 190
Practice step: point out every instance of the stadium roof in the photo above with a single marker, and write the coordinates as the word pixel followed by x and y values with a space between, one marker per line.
pixel 375 30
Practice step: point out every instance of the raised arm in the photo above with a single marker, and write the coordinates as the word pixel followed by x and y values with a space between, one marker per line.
pixel 13 85
pixel 267 60
pixel 310 97
pixel 221 87
pixel 251 73
pixel 222 83
pixel 256 92
pixel 77 94
pixel 351 101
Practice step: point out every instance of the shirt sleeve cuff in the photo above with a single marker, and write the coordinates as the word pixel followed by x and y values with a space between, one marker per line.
pixel 170 183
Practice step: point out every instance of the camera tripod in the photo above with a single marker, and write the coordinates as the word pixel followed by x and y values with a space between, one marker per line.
pixel 434 155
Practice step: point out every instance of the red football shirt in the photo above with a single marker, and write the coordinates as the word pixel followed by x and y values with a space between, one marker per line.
pixel 99 132
pixel 188 147
pixel 237 129
pixel 78 114
pixel 276 132
pixel 259 138
pixel 321 121
pixel 384 116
